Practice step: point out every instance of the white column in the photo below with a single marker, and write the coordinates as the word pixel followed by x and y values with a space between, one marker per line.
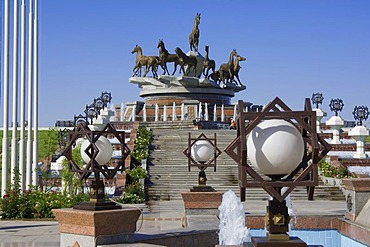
pixel 205 111
pixel 144 112
pixel 215 113
pixel 5 148
pixel 182 111
pixel 174 111
pixel 164 113
pixel 22 142
pixel 200 111
pixel 234 115
pixel 133 114
pixel 122 112
pixel 35 97
pixel 29 93
pixel 156 113
pixel 222 113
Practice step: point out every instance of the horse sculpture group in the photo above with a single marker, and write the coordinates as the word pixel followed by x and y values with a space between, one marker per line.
pixel 226 73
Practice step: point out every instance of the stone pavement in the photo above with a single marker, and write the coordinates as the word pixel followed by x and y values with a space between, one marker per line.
pixel 157 216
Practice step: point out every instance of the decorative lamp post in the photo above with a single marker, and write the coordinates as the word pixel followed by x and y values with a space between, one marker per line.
pixel 96 151
pixel 335 122
pixel 336 105
pixel 359 133
pixel 91 112
pixel 79 119
pixel 317 99
pixel 106 97
pixel 202 152
pixel 258 147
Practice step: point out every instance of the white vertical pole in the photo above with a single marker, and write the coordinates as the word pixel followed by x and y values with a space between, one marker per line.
pixel 234 115
pixel 22 104
pixel 5 151
pixel 215 113
pixel 29 98
pixel 174 111
pixel 144 113
pixel 206 111
pixel 14 148
pixel 164 113
pixel 156 113
pixel 182 111
pixel 222 113
pixel 35 96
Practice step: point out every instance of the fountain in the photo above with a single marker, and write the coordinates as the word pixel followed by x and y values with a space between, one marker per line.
pixel 232 229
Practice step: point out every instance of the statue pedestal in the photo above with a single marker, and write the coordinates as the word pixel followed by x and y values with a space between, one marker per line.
pixel 92 228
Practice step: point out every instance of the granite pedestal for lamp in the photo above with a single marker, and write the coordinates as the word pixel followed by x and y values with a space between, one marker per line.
pixel 96 221
pixel 283 146
pixel 202 152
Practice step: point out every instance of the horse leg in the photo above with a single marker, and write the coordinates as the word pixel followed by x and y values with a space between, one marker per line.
pixel 174 68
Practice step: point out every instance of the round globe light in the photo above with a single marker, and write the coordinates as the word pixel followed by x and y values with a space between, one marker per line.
pixel 202 151
pixel 105 150
pixel 275 147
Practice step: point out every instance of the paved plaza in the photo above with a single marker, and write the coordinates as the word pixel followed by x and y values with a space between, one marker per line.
pixel 159 216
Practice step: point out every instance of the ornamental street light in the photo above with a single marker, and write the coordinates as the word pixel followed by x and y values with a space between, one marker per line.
pixel 202 152
pixel 317 99
pixel 336 105
pixel 258 146
pixel 360 113
pixel 96 151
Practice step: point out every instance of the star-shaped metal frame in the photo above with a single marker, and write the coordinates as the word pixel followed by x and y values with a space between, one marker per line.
pixel 82 130
pixel 306 173
pixel 211 162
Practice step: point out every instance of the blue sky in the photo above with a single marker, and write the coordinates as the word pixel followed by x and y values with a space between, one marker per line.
pixel 293 48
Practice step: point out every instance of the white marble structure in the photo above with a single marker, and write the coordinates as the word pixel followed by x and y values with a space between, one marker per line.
pixel 335 123
pixel 359 134
pixel 319 115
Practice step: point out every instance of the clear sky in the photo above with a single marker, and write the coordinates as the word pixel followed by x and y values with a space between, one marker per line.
pixel 293 48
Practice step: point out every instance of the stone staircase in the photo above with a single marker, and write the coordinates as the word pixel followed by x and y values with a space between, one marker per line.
pixel 169 175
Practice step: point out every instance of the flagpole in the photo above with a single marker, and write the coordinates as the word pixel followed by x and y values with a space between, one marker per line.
pixel 5 148
pixel 35 95
pixel 22 103
pixel 29 98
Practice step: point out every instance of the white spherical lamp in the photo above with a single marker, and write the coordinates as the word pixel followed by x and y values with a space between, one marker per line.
pixel 275 147
pixel 105 150
pixel 202 151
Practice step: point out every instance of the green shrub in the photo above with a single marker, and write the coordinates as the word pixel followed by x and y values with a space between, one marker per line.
pixel 17 204
pixel 133 193
pixel 328 170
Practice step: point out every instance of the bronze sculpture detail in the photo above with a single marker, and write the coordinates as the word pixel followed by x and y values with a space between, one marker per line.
pixel 185 60
pixel 195 33
pixel 208 63
pixel 150 62
pixel 165 57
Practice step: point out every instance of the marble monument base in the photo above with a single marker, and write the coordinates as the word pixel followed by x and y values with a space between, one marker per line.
pixel 91 228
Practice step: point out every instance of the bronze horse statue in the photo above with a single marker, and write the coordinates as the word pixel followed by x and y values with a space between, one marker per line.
pixel 185 60
pixel 150 62
pixel 194 35
pixel 165 57
pixel 227 67
pixel 236 68
pixel 208 63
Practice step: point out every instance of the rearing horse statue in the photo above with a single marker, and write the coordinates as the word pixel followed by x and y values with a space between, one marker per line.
pixel 194 35
pixel 165 57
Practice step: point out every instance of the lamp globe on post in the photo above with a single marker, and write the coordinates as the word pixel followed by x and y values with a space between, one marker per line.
pixel 202 151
